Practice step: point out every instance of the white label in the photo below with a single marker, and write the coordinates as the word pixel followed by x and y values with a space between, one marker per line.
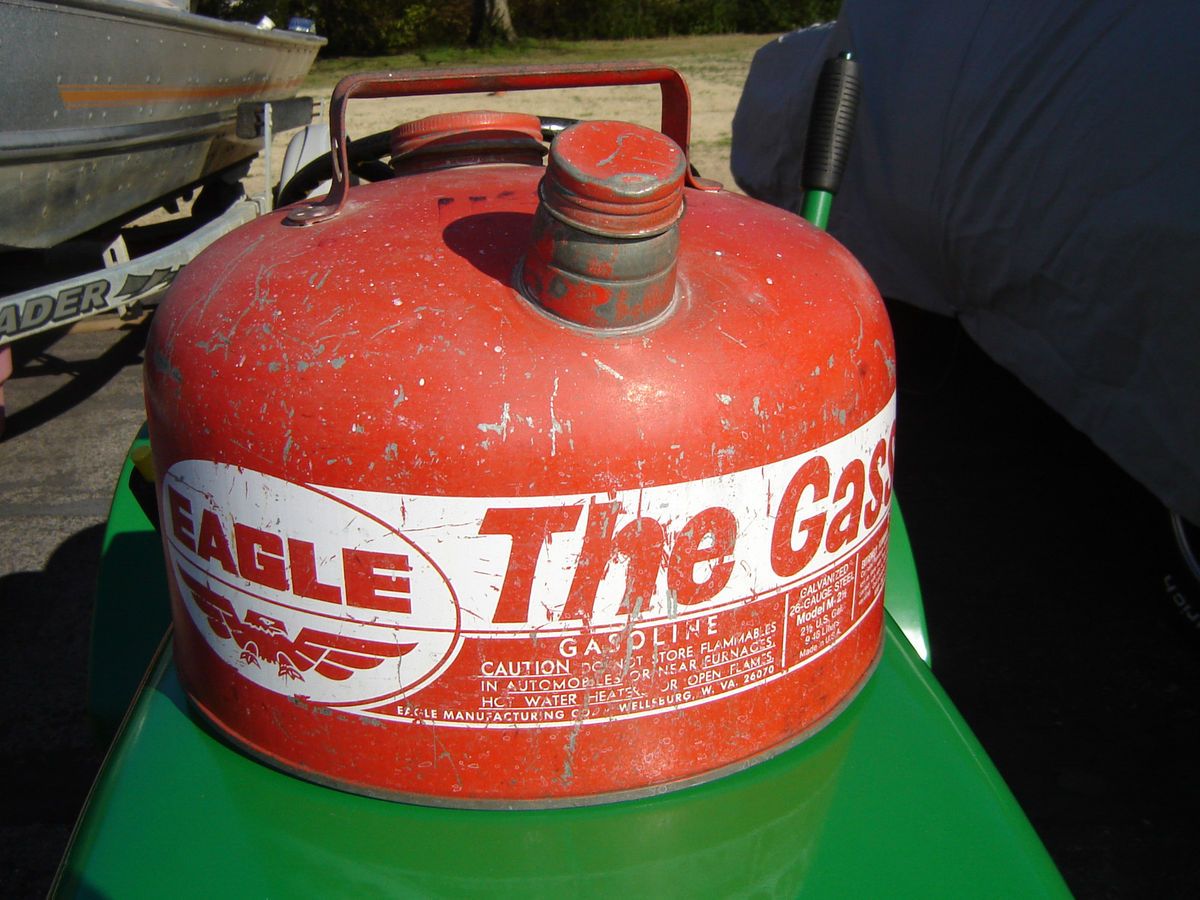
pixel 355 598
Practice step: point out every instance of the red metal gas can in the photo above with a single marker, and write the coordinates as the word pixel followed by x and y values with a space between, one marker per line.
pixel 501 483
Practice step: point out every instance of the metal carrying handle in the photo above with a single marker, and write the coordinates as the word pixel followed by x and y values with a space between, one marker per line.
pixel 676 105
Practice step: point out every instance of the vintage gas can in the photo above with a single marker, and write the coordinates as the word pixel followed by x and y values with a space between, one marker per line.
pixel 508 484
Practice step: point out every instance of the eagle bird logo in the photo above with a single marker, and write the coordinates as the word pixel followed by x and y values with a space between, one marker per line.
pixel 263 639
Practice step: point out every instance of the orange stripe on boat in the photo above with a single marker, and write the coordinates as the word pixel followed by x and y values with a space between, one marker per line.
pixel 75 96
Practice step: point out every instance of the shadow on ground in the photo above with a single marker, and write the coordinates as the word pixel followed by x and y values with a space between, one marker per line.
pixel 33 357
pixel 47 755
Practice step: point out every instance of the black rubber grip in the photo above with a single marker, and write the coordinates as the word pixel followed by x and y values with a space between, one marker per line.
pixel 831 125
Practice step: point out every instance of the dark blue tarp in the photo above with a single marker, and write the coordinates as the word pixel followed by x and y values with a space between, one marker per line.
pixel 1032 168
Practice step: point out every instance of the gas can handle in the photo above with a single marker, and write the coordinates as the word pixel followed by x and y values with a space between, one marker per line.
pixel 676 104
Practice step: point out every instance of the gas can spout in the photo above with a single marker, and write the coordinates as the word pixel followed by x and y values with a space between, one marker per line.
pixel 606 233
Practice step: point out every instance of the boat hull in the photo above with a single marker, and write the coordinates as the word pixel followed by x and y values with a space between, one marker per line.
pixel 119 104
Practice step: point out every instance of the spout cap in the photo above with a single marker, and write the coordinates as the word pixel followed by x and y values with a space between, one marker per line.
pixel 615 179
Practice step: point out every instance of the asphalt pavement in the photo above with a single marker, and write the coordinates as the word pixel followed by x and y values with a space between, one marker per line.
pixel 74 404
pixel 1058 609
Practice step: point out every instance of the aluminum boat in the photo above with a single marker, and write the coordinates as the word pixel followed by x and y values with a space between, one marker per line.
pixel 110 105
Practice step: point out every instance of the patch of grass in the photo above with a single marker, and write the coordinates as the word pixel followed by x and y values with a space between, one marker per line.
pixel 713 50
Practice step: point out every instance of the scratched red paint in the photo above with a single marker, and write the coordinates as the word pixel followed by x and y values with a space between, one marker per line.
pixel 431 540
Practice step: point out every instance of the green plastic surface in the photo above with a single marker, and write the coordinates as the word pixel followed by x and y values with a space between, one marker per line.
pixel 894 798
pixel 132 612
pixel 902 596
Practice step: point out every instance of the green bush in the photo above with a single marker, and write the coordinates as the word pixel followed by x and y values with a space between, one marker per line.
pixel 369 27
pixel 359 27
pixel 422 24
pixel 615 19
